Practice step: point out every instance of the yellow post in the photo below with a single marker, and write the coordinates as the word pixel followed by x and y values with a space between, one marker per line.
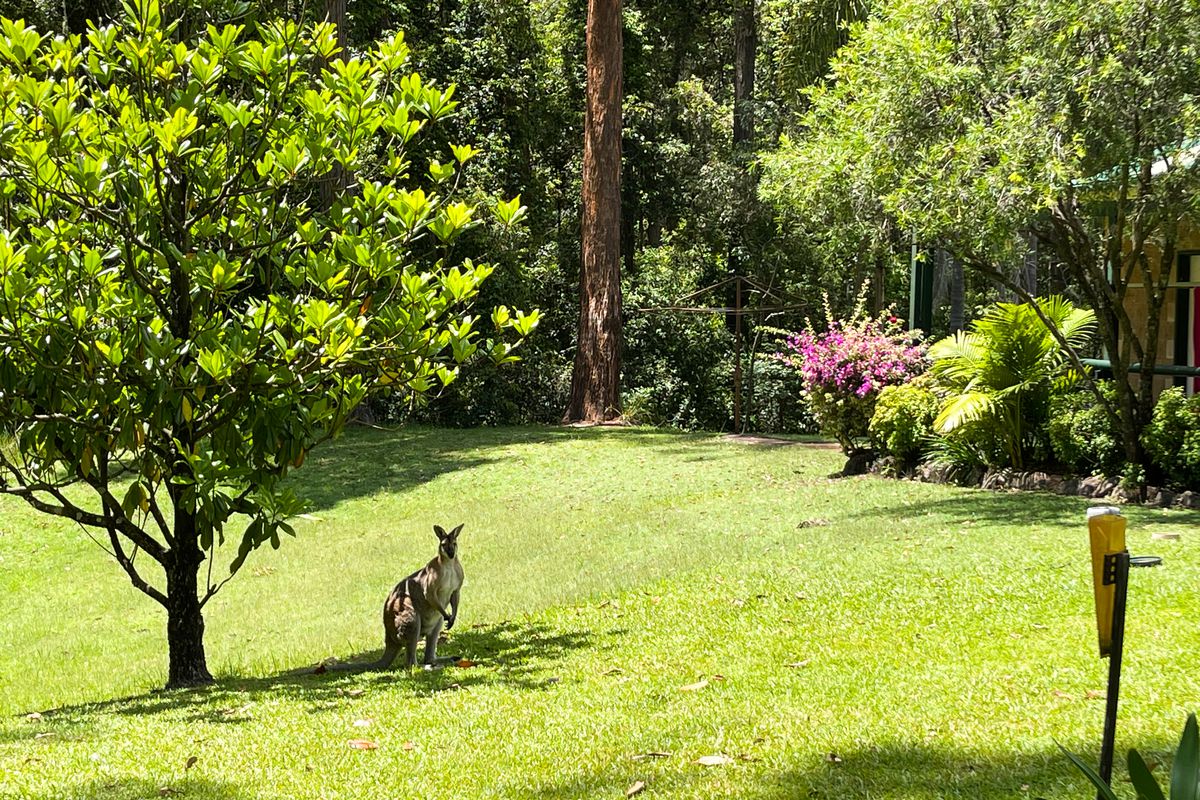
pixel 1106 528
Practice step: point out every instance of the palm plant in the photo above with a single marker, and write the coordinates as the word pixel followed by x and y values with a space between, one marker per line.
pixel 1000 375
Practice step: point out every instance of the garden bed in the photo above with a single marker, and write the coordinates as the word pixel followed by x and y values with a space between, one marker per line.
pixel 1095 486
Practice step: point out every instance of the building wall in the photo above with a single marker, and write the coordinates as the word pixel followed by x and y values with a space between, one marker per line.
pixel 1136 302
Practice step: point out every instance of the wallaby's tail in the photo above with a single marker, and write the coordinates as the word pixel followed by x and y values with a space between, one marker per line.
pixel 390 651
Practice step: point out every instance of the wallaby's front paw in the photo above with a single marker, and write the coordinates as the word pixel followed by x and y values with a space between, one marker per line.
pixel 449 623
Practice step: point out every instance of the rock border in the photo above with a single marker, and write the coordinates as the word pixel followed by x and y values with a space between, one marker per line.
pixel 998 480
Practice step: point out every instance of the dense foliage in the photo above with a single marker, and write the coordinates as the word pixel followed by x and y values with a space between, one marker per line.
pixel 1172 438
pixel 1082 435
pixel 902 423
pixel 1001 375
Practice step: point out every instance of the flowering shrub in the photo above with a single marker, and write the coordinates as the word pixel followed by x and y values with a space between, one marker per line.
pixel 845 367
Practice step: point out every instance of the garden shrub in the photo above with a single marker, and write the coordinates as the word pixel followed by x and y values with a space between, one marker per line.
pixel 846 366
pixel 902 423
pixel 1082 436
pixel 1000 376
pixel 1172 439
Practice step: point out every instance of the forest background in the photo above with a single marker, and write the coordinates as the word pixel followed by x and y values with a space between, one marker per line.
pixel 695 227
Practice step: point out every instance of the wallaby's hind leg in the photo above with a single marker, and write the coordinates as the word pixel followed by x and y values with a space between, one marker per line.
pixel 431 642
pixel 412 636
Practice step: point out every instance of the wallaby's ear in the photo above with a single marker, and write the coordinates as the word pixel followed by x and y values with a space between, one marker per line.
pixel 441 533
pixel 456 531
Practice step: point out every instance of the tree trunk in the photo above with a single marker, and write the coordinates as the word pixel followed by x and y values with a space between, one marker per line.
pixel 185 620
pixel 1029 275
pixel 596 378
pixel 745 50
pixel 185 627
pixel 957 296
pixel 335 181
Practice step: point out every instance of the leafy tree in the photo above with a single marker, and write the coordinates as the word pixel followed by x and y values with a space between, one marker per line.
pixel 976 124
pixel 1003 372
pixel 178 325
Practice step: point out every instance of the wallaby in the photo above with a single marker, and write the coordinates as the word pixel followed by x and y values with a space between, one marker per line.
pixel 418 607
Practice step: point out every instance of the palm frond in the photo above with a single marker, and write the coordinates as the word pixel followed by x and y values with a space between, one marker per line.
pixel 963 409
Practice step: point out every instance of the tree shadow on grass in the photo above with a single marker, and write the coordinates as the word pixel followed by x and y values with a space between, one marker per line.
pixel 898 771
pixel 1026 508
pixel 140 789
pixel 512 655
pixel 365 461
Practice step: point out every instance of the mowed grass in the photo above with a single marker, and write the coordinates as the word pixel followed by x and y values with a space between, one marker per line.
pixel 852 638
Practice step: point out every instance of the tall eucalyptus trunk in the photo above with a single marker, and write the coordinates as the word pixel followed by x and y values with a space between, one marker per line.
pixel 596 377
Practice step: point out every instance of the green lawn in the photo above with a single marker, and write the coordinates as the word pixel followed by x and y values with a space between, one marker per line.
pixel 859 638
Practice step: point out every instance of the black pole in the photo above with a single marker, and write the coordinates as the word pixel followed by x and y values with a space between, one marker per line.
pixel 1116 571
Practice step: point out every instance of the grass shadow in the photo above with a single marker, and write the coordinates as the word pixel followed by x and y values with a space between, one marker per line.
pixel 506 654
pixel 140 789
pixel 1027 508
pixel 899 770
pixel 365 461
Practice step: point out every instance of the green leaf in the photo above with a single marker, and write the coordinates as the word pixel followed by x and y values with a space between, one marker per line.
pixel 463 152
pixel 440 172
pixel 1142 779
pixel 1103 788
pixel 1185 772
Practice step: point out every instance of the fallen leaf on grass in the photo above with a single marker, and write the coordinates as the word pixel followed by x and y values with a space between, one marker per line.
pixel 747 757
pixel 363 723
pixel 233 712
pixel 1060 694
pixel 798 664
pixel 408 746
pixel 637 787
pixel 465 663
pixel 694 687
pixel 34 717
pixel 833 758
pixel 44 735
pixel 613 671
pixel 713 760
pixel 191 762
pixel 166 791
pixel 815 522
pixel 651 754
pixel 1094 694
pixel 363 744
pixel 351 692
pixel 718 677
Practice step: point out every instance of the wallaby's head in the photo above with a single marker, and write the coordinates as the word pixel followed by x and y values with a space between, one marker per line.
pixel 447 542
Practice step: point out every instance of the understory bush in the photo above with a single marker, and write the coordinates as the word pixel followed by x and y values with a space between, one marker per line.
pixel 1172 439
pixel 1000 376
pixel 902 424
pixel 846 366
pixel 1082 435
pixel 774 399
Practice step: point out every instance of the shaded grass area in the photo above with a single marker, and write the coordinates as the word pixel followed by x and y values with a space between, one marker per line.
pixel 855 638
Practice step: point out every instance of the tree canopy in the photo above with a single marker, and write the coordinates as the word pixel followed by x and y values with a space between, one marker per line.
pixel 975 124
